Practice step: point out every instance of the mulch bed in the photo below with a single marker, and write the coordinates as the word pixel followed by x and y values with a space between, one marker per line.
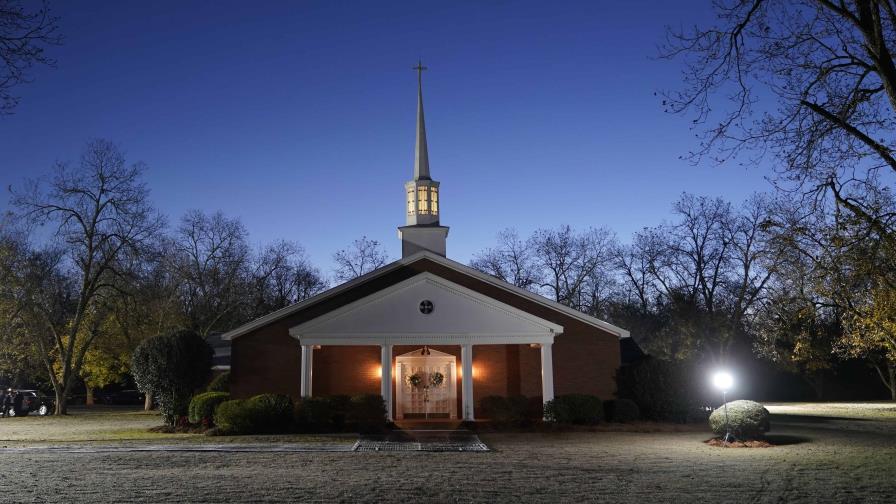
pixel 756 443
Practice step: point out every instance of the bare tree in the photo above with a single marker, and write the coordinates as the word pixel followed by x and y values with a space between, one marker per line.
pixel 512 261
pixel 211 261
pixel 102 215
pixel 829 70
pixel 638 263
pixel 363 256
pixel 568 259
pixel 705 272
pixel 283 275
pixel 24 36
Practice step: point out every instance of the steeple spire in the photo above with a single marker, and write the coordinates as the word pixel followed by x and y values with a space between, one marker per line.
pixel 421 153
pixel 422 230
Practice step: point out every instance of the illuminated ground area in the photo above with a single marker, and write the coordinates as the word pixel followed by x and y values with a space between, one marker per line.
pixel 881 410
pixel 828 460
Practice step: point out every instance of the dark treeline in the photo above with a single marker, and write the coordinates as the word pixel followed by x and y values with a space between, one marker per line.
pixel 718 284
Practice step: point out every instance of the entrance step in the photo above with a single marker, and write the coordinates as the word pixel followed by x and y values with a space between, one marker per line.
pixel 421 425
pixel 433 440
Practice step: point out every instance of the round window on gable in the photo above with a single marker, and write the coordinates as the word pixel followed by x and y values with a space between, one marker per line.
pixel 426 307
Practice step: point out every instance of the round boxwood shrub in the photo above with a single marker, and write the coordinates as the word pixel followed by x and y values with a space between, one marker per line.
pixel 234 417
pixel 578 409
pixel 270 413
pixel 747 420
pixel 621 411
pixel 367 413
pixel 220 383
pixel 202 407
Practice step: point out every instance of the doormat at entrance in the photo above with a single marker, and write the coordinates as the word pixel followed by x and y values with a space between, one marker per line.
pixel 428 441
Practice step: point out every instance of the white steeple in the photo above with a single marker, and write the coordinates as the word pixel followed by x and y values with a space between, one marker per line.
pixel 421 153
pixel 422 230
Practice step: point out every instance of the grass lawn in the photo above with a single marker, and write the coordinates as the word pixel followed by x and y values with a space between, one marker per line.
pixel 113 424
pixel 821 459
pixel 877 410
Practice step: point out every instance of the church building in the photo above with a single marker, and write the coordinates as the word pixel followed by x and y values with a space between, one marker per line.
pixel 431 335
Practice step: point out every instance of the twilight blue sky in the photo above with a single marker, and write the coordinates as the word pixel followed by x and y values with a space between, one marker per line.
pixel 298 117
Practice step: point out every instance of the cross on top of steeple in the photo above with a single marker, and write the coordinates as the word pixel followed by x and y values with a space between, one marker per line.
pixel 419 68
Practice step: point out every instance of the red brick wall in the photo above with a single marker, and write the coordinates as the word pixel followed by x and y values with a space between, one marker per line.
pixel 350 370
pixel 266 360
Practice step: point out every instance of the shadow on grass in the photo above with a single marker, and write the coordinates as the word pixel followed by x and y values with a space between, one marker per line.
pixel 786 439
pixel 785 418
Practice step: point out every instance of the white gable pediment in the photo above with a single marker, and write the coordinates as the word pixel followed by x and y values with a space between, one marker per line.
pixel 393 315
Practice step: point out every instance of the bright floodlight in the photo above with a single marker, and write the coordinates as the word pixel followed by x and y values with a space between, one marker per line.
pixel 723 381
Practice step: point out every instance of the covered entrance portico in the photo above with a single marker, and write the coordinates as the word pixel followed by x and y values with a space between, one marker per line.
pixel 423 312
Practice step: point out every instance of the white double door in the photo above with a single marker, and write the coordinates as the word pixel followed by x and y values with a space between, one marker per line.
pixel 426 385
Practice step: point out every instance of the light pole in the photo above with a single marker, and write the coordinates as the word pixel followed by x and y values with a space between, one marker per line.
pixel 723 381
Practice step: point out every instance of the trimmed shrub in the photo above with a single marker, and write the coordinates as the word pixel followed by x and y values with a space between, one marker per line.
pixel 621 411
pixel 234 417
pixel 270 413
pixel 578 409
pixel 664 391
pixel 202 407
pixel 261 414
pixel 220 383
pixel 338 410
pixel 747 420
pixel 367 414
pixel 312 414
pixel 505 411
pixel 171 367
pixel 364 413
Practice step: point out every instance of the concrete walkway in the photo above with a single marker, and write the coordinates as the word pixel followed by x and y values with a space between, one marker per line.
pixel 430 440
pixel 196 447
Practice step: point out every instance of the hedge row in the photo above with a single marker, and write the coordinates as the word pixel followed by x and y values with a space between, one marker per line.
pixel 277 414
pixel 579 409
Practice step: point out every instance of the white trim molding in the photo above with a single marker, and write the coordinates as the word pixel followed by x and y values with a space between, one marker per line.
pixel 391 316
pixel 448 263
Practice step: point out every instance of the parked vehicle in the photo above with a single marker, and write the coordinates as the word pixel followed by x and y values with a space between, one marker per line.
pixel 31 401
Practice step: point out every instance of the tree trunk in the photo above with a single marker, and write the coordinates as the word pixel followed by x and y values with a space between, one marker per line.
pixel 147 404
pixel 61 403
pixel 890 378
pixel 89 400
pixel 816 381
pixel 892 369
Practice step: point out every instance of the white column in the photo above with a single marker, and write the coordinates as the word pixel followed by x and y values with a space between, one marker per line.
pixel 386 377
pixel 307 363
pixel 547 372
pixel 466 359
